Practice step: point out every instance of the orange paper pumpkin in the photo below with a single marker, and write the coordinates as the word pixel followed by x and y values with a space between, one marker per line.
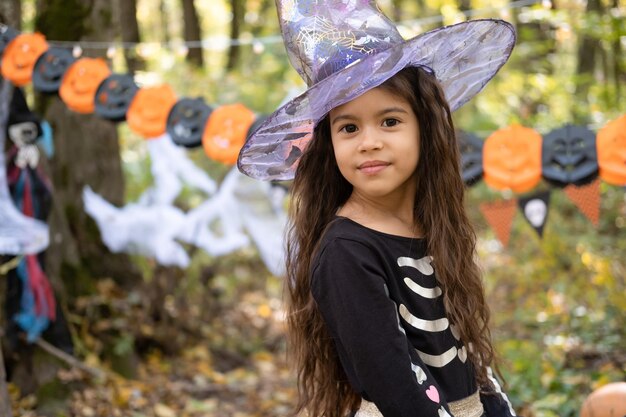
pixel 147 114
pixel 606 401
pixel 80 82
pixel 512 159
pixel 20 56
pixel 611 147
pixel 225 132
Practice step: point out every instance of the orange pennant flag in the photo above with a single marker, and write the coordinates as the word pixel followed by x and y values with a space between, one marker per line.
pixel 499 215
pixel 586 198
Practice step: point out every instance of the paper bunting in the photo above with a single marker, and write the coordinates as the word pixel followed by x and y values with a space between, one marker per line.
pixel 187 120
pixel 20 55
pixel 226 131
pixel 499 215
pixel 147 114
pixel 509 159
pixel 79 85
pixel 612 151
pixel 587 199
pixel 7 34
pixel 512 159
pixel 569 156
pixel 50 68
pixel 471 157
pixel 535 209
pixel 114 95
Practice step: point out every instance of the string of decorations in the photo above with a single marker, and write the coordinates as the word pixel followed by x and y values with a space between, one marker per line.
pixel 87 85
pixel 514 158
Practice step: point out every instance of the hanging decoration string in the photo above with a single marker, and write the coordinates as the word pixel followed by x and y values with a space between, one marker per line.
pixel 224 42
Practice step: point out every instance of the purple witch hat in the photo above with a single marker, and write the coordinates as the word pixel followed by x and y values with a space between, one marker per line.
pixel 343 48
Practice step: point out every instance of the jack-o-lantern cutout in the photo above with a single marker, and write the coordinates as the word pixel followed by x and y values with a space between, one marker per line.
pixel 187 120
pixel 225 132
pixel 50 68
pixel 7 34
pixel 114 95
pixel 611 147
pixel 568 156
pixel 512 159
pixel 147 114
pixel 607 401
pixel 79 85
pixel 471 157
pixel 20 55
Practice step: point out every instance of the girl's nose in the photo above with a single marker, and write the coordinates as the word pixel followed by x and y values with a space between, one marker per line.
pixel 369 141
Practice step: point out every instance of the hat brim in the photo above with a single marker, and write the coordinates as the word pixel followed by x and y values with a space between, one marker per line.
pixel 463 58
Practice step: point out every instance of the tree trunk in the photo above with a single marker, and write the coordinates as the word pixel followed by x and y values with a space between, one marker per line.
pixel 618 71
pixel 192 32
pixel 165 30
pixel 5 97
pixel 589 49
pixel 11 13
pixel 86 154
pixel 5 401
pixel 465 5
pixel 129 28
pixel 237 8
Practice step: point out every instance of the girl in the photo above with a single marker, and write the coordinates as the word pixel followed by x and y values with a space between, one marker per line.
pixel 386 310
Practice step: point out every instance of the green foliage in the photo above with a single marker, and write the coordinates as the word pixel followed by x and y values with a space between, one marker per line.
pixel 558 303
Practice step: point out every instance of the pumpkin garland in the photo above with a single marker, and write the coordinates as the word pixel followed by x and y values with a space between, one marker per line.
pixel 471 157
pixel 611 148
pixel 114 95
pixel 7 34
pixel 187 120
pixel 512 159
pixel 569 156
pixel 20 55
pixel 148 111
pixel 226 131
pixel 50 68
pixel 79 85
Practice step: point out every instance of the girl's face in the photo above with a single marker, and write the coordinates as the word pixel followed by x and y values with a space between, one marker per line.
pixel 376 141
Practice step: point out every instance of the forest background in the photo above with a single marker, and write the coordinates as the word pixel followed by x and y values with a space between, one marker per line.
pixel 209 340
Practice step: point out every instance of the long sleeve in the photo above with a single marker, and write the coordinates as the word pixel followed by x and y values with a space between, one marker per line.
pixel 496 403
pixel 349 287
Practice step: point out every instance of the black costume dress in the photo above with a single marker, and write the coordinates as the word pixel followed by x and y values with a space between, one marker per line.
pixel 383 307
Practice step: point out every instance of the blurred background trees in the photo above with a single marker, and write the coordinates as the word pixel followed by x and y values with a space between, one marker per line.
pixel 558 303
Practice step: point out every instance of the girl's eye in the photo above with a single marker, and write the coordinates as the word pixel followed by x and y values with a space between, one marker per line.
pixel 348 128
pixel 390 122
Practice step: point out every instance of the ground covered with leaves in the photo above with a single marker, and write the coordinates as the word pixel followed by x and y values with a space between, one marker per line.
pixel 217 350
pixel 210 341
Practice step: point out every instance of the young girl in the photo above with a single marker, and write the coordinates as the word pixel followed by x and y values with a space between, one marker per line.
pixel 386 312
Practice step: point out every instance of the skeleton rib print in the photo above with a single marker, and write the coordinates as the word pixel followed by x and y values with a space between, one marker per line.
pixel 423 265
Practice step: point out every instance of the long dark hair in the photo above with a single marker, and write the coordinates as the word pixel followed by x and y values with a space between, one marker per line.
pixel 319 190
